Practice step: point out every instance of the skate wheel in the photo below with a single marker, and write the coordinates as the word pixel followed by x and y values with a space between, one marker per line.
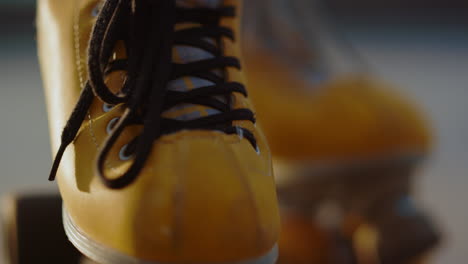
pixel 33 230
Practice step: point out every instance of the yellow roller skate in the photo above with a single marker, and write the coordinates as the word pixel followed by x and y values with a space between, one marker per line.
pixel 345 145
pixel 160 160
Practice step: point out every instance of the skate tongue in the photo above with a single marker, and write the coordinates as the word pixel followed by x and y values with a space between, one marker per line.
pixel 199 3
pixel 186 54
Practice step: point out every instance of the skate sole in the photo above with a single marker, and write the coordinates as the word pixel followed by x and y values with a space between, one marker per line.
pixel 336 180
pixel 105 255
pixel 287 172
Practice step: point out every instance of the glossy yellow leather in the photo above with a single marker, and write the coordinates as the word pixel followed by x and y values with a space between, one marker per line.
pixel 353 117
pixel 202 197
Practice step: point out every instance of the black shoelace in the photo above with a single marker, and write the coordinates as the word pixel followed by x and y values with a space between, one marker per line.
pixel 147 28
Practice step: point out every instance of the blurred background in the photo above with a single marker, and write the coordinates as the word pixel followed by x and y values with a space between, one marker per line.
pixel 419 45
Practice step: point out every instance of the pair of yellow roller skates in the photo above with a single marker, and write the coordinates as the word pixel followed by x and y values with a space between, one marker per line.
pixel 162 160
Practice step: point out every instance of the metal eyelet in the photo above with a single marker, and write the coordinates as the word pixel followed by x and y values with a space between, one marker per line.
pixel 111 124
pixel 122 153
pixel 96 9
pixel 240 132
pixel 257 149
pixel 107 107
